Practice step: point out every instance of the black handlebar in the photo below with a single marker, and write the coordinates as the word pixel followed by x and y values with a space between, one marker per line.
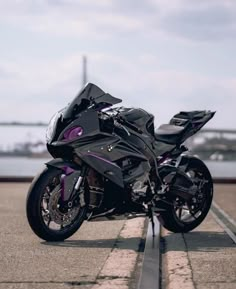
pixel 120 120
pixel 128 124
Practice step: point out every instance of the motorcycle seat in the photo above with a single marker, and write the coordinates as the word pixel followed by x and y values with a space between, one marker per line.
pixel 168 133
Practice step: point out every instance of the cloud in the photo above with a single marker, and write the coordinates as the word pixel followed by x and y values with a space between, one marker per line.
pixel 41 92
pixel 199 20
pixel 135 51
pixel 5 73
pixel 70 18
pixel 203 20
pixel 161 91
pixel 146 8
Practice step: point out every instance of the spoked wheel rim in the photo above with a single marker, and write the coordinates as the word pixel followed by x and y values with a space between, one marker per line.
pixel 188 212
pixel 56 215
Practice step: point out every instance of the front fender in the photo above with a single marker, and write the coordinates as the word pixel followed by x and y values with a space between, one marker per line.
pixel 63 164
pixel 71 173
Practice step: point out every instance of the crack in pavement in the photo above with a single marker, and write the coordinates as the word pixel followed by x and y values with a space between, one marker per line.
pixel 51 282
pixel 189 262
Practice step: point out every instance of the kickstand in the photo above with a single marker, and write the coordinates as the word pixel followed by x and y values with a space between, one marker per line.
pixel 151 217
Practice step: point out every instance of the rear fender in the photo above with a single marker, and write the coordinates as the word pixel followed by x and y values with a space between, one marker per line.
pixel 190 160
pixel 184 161
pixel 180 183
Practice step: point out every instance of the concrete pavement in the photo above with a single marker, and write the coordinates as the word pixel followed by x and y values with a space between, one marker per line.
pixel 225 197
pixel 204 258
pixel 107 255
pixel 100 254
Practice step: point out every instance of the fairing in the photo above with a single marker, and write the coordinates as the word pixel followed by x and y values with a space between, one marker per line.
pixel 139 118
pixel 191 121
pixel 103 154
pixel 90 94
pixel 106 151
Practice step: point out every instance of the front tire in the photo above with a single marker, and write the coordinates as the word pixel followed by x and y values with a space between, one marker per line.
pixel 47 219
pixel 182 218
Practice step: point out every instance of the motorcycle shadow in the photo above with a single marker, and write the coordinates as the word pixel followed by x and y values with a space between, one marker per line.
pixel 200 241
pixel 121 243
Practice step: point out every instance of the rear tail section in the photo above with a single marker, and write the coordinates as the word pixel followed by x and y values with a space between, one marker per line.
pixel 192 121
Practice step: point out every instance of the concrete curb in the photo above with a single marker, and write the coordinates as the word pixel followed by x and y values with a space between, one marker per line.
pixel 120 265
pixel 150 272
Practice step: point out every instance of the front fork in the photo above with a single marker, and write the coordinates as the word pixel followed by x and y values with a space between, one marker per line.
pixel 71 183
pixel 83 174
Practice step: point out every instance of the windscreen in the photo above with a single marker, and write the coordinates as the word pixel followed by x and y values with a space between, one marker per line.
pixel 88 95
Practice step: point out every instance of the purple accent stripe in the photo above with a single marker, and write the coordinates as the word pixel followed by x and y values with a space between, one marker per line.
pixel 68 170
pixel 102 159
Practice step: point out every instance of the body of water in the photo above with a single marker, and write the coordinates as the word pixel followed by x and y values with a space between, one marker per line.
pixel 222 169
pixel 23 166
pixel 11 136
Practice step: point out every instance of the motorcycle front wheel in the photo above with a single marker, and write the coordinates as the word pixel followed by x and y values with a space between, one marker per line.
pixel 47 215
pixel 181 216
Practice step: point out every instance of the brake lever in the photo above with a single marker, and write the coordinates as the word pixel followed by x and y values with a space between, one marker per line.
pixel 130 125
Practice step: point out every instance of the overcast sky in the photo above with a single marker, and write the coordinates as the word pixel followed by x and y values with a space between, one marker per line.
pixel 163 56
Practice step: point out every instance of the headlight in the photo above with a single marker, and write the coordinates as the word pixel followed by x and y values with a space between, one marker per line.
pixel 51 127
pixel 73 133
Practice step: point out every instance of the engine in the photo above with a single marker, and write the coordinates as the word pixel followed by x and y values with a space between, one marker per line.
pixel 139 189
pixel 136 177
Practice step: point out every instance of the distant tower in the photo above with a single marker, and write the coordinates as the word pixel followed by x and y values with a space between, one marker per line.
pixel 84 78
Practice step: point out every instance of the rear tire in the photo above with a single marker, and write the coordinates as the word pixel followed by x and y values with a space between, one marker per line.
pixel 169 218
pixel 36 213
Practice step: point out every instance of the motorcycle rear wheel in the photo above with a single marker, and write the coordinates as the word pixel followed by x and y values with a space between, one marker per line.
pixel 180 217
pixel 45 215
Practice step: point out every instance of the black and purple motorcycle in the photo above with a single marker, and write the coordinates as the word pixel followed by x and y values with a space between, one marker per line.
pixel 110 162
